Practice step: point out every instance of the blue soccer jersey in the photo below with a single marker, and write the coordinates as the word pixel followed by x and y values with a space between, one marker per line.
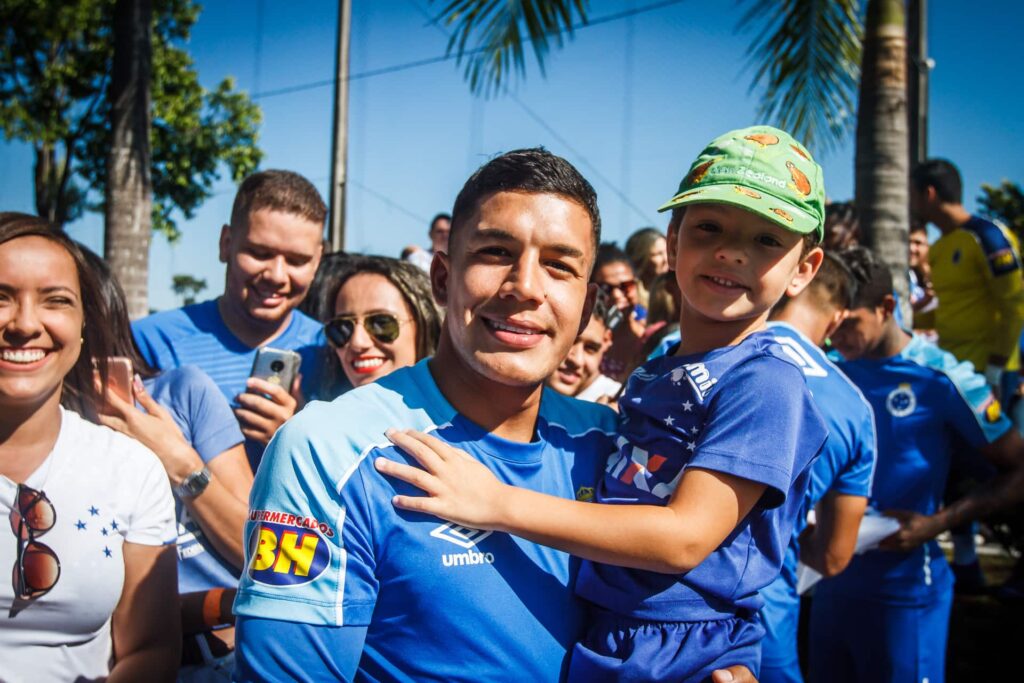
pixel 846 466
pixel 196 335
pixel 441 602
pixel 924 401
pixel 742 410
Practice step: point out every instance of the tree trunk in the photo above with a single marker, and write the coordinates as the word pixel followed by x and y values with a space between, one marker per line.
pixel 883 142
pixel 129 201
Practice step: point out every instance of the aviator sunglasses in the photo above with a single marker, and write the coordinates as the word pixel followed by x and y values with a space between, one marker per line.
pixel 384 327
pixel 37 568
pixel 627 288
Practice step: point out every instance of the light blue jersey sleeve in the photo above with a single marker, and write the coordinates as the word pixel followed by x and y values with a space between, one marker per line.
pixel 271 650
pixel 858 471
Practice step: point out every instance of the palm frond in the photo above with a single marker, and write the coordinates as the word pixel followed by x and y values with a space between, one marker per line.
pixel 489 35
pixel 806 55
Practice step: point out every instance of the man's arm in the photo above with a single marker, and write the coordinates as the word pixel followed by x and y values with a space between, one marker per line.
pixel 828 546
pixel 273 650
pixel 1003 274
pixel 1006 489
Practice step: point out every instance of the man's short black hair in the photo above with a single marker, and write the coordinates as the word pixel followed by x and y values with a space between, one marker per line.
pixel 438 217
pixel 873 278
pixel 943 176
pixel 533 170
pixel 609 252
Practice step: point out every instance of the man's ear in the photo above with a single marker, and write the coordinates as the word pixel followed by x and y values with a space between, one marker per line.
pixel 888 306
pixel 225 243
pixel 835 320
pixel 805 272
pixel 440 271
pixel 588 307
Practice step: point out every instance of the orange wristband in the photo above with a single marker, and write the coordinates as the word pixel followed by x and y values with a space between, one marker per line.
pixel 211 607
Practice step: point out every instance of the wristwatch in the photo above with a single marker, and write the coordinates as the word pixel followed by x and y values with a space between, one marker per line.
pixel 194 484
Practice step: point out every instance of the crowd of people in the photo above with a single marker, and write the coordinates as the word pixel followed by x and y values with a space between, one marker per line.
pixel 522 454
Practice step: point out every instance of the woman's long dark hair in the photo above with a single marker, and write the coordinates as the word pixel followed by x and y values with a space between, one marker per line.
pixel 409 280
pixel 118 322
pixel 79 393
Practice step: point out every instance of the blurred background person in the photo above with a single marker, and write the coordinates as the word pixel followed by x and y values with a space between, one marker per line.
pixel 647 253
pixel 384 318
pixel 579 374
pixel 184 418
pixel 92 594
pixel 613 273
pixel 842 226
pixel 440 226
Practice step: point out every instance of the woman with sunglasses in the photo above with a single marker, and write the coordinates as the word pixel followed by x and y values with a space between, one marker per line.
pixel 93 578
pixel 384 318
pixel 185 420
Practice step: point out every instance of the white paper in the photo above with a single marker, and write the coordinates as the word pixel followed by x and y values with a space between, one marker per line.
pixel 873 529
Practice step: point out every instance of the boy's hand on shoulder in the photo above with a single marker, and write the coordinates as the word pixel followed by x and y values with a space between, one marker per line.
pixel 459 488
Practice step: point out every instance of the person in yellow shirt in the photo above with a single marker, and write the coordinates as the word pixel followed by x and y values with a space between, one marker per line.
pixel 976 277
pixel 976 274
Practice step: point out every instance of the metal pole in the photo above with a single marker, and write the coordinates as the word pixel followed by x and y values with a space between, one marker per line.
pixel 920 66
pixel 339 146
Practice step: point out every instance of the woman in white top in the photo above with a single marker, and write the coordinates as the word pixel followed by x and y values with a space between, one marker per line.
pixel 93 592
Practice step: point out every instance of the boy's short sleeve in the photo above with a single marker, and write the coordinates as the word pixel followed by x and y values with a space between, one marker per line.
pixel 972 409
pixel 761 426
pixel 856 477
pixel 310 551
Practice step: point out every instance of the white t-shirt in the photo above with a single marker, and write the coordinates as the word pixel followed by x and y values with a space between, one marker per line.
pixel 106 489
pixel 601 386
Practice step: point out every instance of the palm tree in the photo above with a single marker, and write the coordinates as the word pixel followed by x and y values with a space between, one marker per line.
pixel 809 57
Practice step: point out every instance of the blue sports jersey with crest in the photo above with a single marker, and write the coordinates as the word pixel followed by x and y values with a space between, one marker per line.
pixel 925 401
pixel 441 602
pixel 742 410
pixel 845 466
pixel 196 335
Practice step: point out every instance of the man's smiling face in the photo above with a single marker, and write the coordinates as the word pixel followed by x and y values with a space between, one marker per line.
pixel 515 284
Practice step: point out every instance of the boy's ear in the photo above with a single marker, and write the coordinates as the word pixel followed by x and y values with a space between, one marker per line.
pixel 835 320
pixel 805 272
pixel 588 307
pixel 888 306
pixel 670 243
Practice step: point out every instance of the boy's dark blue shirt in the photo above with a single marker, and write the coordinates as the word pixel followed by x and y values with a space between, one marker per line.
pixel 742 410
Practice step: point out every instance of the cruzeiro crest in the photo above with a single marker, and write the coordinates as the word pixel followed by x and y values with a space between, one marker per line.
pixel 901 401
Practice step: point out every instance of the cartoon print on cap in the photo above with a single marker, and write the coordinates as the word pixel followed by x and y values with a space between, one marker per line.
pixel 800 152
pixel 763 139
pixel 698 173
pixel 783 214
pixel 743 190
pixel 800 182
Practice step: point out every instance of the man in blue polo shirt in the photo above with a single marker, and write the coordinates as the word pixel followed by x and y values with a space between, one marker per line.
pixel 840 481
pixel 886 618
pixel 340 584
pixel 272 248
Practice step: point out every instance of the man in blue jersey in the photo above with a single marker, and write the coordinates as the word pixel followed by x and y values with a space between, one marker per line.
pixel 886 618
pixel 339 583
pixel 272 248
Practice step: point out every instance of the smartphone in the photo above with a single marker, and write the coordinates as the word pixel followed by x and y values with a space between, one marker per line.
pixel 276 366
pixel 119 378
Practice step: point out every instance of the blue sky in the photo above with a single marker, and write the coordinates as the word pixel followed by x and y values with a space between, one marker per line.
pixel 630 102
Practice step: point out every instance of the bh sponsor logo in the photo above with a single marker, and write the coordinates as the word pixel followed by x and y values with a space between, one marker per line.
pixel 287 555
pixel 464 537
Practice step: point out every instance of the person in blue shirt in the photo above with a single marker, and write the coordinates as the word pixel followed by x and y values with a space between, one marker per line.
pixel 271 247
pixel 339 584
pixel 840 478
pixel 886 618
pixel 183 418
pixel 714 444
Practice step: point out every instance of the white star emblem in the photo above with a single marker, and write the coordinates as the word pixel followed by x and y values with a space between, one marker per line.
pixel 669 420
pixel 690 445
pixel 694 429
pixel 687 406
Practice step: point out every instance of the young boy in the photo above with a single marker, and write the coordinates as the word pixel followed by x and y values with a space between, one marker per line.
pixel 715 442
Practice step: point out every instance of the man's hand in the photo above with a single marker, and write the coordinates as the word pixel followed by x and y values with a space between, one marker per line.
pixel 459 488
pixel 915 529
pixel 734 674
pixel 260 416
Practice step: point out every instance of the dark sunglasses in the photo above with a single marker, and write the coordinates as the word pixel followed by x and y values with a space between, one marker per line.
pixel 37 568
pixel 383 327
pixel 627 287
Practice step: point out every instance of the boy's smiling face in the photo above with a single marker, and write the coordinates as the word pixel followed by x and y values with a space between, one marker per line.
pixel 733 265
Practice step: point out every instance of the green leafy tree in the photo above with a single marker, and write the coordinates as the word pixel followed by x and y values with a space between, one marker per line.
pixel 1005 203
pixel 56 66
pixel 187 287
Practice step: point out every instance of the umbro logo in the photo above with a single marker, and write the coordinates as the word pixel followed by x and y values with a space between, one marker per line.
pixel 462 536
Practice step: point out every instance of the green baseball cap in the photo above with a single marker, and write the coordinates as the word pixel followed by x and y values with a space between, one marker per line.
pixel 760 169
